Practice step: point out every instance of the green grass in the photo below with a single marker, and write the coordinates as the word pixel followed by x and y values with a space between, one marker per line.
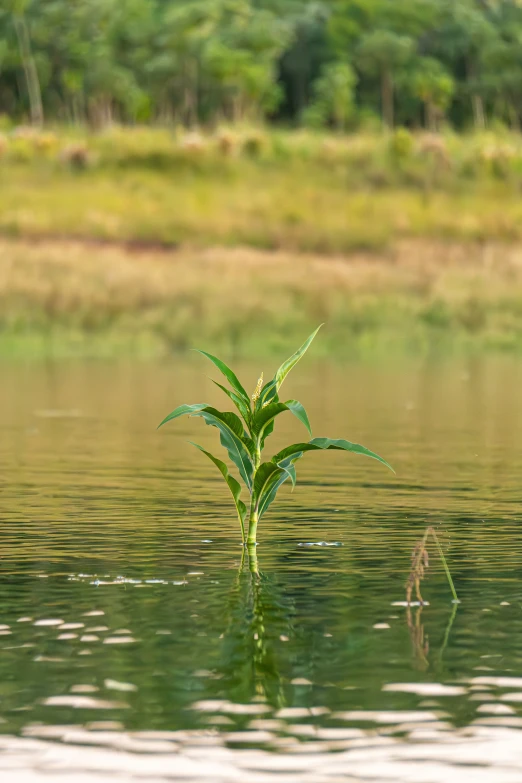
pixel 299 192
pixel 142 242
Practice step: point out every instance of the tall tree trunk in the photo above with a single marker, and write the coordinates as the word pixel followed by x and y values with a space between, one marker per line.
pixel 431 117
pixel 477 104
pixel 479 116
pixel 31 74
pixel 387 97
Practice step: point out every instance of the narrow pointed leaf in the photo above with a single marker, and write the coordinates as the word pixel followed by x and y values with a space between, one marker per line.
pixel 266 475
pixel 231 431
pixel 229 375
pixel 233 485
pixel 266 432
pixel 263 421
pixel 184 410
pixel 238 401
pixel 325 444
pixel 300 413
pixel 289 466
pixel 288 471
pixel 263 417
pixel 345 445
pixel 292 361
pixel 232 438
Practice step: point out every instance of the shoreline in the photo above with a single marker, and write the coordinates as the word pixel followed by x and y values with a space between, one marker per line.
pixel 59 298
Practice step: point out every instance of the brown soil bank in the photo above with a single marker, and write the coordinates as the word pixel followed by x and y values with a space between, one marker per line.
pixel 74 298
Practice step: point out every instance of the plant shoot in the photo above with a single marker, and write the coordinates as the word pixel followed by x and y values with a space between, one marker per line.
pixel 243 436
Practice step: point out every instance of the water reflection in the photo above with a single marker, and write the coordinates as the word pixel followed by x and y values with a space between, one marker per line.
pixel 131 632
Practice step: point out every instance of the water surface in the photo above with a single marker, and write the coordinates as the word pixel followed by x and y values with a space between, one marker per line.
pixel 136 641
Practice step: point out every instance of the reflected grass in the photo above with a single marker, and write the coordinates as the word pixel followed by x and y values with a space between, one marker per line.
pixel 68 299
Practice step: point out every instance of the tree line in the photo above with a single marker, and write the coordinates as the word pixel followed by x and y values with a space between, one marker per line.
pixel 324 63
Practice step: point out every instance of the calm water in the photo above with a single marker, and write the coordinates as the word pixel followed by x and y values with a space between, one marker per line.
pixel 133 643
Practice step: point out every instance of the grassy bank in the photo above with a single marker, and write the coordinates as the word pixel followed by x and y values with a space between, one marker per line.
pixel 139 241
pixel 73 299
pixel 298 192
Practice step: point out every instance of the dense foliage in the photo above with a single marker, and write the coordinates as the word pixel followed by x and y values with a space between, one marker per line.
pixel 334 63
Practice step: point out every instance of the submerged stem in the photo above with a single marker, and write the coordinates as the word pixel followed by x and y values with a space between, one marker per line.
pixel 252 559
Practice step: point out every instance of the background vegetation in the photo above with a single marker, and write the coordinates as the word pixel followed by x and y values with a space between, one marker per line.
pixel 360 158
pixel 336 63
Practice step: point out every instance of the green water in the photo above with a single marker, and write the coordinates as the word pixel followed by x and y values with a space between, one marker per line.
pixel 127 616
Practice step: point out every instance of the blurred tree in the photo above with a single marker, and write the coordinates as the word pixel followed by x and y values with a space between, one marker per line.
pixel 333 96
pixel 199 61
pixel 435 87
pixel 381 53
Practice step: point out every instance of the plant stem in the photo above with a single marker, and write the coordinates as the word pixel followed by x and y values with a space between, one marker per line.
pixel 252 559
pixel 254 515
pixel 252 526
pixel 444 563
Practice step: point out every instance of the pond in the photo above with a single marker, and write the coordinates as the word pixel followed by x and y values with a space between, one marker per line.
pixel 136 645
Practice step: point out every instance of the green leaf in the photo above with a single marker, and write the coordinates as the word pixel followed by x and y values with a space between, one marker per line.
pixel 325 444
pixel 288 465
pixel 232 434
pixel 238 401
pixel 288 471
pixel 268 394
pixel 234 487
pixel 232 438
pixel 184 410
pixel 266 476
pixel 292 361
pixel 267 431
pixel 299 412
pixel 263 417
pixel 263 421
pixel 229 375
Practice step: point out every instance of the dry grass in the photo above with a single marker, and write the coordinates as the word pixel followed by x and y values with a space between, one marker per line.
pixel 422 294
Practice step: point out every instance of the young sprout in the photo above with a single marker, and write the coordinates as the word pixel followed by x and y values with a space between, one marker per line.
pixel 244 436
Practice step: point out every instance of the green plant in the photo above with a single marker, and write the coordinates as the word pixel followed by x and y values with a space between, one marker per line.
pixel 420 563
pixel 245 439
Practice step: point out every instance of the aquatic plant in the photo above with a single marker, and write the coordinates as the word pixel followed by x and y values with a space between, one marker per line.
pixel 244 439
pixel 420 563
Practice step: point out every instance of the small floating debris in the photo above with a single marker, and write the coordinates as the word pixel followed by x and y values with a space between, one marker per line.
pixel 381 626
pixel 320 543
